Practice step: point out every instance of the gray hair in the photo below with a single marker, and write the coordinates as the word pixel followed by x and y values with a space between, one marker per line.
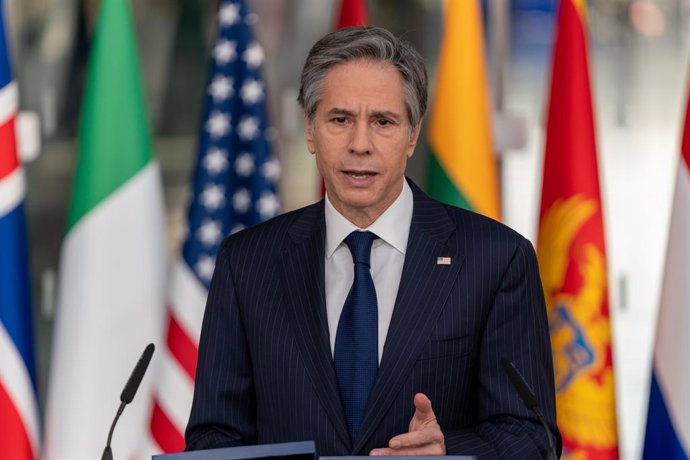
pixel 369 43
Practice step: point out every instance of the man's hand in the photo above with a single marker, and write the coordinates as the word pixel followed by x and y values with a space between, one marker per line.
pixel 424 436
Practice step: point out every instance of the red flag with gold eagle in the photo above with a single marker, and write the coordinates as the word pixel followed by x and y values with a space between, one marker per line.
pixel 572 255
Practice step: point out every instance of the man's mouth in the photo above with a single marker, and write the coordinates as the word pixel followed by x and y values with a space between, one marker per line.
pixel 359 175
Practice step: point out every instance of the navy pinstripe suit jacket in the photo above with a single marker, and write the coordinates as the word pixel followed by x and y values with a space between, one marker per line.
pixel 265 372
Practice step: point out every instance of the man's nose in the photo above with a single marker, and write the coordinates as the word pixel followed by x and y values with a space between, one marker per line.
pixel 360 143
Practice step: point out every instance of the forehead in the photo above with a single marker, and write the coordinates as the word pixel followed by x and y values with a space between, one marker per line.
pixel 358 82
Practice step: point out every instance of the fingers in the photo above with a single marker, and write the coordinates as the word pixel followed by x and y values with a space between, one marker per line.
pixel 425 451
pixel 423 414
pixel 429 441
pixel 415 439
pixel 424 436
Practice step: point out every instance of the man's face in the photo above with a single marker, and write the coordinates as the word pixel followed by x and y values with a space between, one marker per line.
pixel 362 138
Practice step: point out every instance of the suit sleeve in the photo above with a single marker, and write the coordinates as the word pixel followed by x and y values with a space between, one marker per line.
pixel 516 328
pixel 223 406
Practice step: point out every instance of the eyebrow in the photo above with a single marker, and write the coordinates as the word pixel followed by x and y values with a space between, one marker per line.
pixel 386 114
pixel 374 114
pixel 339 111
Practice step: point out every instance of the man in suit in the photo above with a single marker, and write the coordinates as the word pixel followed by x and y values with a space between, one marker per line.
pixel 374 321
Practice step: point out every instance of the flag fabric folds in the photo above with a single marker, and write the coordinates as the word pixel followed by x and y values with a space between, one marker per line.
pixel 234 187
pixel 571 252
pixel 462 169
pixel 668 418
pixel 352 13
pixel 113 266
pixel 19 436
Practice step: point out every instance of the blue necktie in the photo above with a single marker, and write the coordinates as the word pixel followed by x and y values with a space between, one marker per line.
pixel 356 342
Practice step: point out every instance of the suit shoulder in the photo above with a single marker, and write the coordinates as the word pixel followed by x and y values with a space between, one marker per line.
pixel 275 230
pixel 483 227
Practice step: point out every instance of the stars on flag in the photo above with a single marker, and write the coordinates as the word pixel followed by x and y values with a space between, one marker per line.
pixel 225 51
pixel 213 197
pixel 268 205
pixel 221 88
pixel 210 232
pixel 228 14
pixel 204 267
pixel 236 175
pixel 242 200
pixel 252 91
pixel 254 55
pixel 215 161
pixel 248 128
pixel 218 124
pixel 271 170
pixel 244 164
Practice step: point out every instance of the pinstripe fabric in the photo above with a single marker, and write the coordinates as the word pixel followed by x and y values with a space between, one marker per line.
pixel 265 372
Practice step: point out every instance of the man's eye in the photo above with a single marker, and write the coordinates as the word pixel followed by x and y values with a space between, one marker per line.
pixel 340 120
pixel 383 122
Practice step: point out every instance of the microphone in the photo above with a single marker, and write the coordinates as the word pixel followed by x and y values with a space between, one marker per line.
pixel 128 393
pixel 530 401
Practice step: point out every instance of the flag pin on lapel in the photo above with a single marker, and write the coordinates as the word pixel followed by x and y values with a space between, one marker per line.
pixel 443 261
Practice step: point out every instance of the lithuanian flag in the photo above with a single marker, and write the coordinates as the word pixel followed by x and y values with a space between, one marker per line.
pixel 462 165
pixel 572 253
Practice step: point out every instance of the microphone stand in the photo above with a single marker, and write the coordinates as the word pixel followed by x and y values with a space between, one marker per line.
pixel 108 452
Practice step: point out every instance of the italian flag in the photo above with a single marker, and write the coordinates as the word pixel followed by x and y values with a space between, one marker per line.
pixel 113 267
pixel 462 166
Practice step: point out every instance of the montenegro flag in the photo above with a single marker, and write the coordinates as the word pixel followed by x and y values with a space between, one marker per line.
pixel 572 255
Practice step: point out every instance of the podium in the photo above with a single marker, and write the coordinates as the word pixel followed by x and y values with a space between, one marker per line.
pixel 304 450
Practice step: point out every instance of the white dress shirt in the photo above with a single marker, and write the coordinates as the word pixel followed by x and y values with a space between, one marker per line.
pixel 387 259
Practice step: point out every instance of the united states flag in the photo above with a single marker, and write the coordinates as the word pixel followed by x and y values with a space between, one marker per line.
pixel 234 187
pixel 19 435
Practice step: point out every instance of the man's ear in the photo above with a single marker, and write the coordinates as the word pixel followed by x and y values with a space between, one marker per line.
pixel 414 135
pixel 308 133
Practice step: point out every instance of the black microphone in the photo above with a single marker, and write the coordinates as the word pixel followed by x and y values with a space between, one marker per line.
pixel 128 393
pixel 530 401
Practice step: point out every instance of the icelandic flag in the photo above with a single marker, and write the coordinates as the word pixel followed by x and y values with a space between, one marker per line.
pixel 18 408
pixel 668 418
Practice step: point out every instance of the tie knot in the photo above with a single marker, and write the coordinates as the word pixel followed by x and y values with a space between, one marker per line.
pixel 360 246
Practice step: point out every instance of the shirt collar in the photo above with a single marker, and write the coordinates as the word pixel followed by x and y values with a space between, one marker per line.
pixel 393 226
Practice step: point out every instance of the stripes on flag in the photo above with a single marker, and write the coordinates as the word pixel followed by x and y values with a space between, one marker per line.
pixel 234 187
pixel 668 420
pixel 463 169
pixel 113 264
pixel 19 436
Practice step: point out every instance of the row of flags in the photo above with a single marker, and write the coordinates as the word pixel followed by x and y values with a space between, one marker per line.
pixel 109 308
pixel 570 244
pixel 115 294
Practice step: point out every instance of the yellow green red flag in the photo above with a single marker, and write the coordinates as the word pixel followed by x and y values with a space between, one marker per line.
pixel 462 165
pixel 572 254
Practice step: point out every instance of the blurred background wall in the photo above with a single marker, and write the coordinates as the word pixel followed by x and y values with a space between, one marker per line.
pixel 640 50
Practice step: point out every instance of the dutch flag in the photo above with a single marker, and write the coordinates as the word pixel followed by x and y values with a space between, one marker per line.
pixel 668 420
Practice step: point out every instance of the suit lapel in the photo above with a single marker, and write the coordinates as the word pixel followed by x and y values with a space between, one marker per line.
pixel 302 269
pixel 425 285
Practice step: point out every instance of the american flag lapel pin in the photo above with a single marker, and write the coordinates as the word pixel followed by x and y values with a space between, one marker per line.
pixel 443 261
